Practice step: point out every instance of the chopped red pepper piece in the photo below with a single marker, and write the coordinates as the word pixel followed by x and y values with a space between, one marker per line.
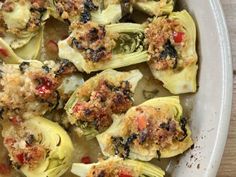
pixel 124 175
pixel 178 37
pixel 16 120
pixel 4 53
pixel 20 157
pixel 78 107
pixel 4 169
pixel 45 86
pixel 86 160
pixel 141 122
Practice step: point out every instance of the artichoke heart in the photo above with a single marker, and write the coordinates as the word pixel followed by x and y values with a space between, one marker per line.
pixel 172 51
pixel 116 166
pixel 93 47
pixel 154 129
pixel 38 147
pixel 91 106
pixel 155 7
pixel 22 20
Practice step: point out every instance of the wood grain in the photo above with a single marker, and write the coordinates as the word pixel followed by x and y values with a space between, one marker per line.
pixel 228 164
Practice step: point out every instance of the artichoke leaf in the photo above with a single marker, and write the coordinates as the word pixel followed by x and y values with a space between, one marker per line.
pixel 168 107
pixel 52 138
pixel 112 14
pixel 117 166
pixel 9 56
pixel 157 8
pixel 31 50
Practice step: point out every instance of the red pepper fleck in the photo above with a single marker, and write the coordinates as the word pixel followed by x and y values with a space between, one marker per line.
pixel 124 175
pixel 16 120
pixel 45 86
pixel 178 37
pixel 4 53
pixel 141 122
pixel 86 160
pixel 20 157
pixel 78 107
pixel 4 169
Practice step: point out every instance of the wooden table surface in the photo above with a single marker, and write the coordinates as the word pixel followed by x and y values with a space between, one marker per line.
pixel 228 164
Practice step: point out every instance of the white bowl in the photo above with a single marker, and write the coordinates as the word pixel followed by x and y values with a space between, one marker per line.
pixel 212 103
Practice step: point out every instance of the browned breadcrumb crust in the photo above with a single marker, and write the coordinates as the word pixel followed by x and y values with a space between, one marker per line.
pixel 38 7
pixel 111 169
pixel 161 45
pixel 146 128
pixel 27 89
pixel 104 101
pixel 68 8
pixel 23 147
pixel 160 129
pixel 92 41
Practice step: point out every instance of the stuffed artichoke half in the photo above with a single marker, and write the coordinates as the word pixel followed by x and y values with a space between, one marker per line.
pixel 21 20
pixel 154 129
pixel 117 167
pixel 91 106
pixel 38 147
pixel 172 51
pixel 102 12
pixel 155 7
pixel 93 47
pixel 35 88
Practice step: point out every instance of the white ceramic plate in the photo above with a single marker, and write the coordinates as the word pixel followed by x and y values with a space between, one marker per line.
pixel 212 103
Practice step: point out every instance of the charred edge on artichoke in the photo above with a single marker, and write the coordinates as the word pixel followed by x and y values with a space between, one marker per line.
pixel 23 66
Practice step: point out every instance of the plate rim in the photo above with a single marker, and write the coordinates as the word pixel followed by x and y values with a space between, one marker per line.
pixel 227 92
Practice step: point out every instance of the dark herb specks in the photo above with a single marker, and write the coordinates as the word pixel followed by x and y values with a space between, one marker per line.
pixel 23 66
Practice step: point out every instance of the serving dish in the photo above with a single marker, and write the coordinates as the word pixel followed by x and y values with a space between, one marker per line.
pixel 212 103
pixel 208 109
